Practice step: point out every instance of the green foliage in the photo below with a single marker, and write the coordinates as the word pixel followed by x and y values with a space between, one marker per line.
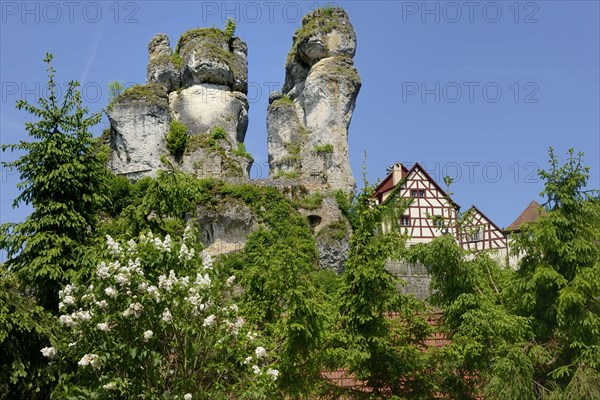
pixel 324 149
pixel 241 151
pixel 283 101
pixel 24 328
pixel 213 34
pixel 64 178
pixel 151 93
pixel 177 60
pixel 558 280
pixel 377 349
pixel 287 174
pixel 177 139
pixel 230 26
pixel 218 132
pixel 293 149
pixel 487 340
pixel 275 268
pixel 139 329
pixel 346 206
pixel 115 88
pixel 530 333
pixel 335 230
pixel 311 201
pixel 278 263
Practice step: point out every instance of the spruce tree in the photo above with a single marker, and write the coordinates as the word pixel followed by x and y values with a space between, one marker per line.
pixel 64 177
pixel 383 331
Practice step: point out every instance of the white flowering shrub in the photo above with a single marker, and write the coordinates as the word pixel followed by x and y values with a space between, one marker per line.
pixel 157 320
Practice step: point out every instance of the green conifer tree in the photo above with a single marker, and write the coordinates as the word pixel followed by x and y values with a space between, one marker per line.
pixel 64 177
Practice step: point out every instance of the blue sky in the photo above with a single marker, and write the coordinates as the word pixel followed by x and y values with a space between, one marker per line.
pixel 474 90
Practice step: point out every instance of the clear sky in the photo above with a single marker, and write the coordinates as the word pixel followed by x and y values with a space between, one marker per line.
pixel 476 90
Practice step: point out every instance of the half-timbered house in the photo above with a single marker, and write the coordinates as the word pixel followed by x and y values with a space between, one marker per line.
pixel 479 233
pixel 431 212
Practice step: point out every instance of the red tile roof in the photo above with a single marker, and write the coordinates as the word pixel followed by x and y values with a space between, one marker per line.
pixel 530 214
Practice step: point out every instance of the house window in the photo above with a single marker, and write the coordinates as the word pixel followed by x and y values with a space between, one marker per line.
pixel 413 193
pixel 421 193
pixel 405 221
pixel 475 236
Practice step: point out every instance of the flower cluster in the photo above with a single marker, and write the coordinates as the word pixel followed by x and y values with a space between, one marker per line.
pixel 49 352
pixel 148 297
pixel 88 359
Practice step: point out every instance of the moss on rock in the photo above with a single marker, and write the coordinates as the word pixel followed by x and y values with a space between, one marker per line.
pixel 319 22
pixel 151 94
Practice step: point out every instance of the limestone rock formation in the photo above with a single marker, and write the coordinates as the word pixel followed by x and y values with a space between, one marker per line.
pixel 332 233
pixel 209 56
pixel 163 68
pixel 226 229
pixel 139 121
pixel 202 107
pixel 307 123
pixel 204 85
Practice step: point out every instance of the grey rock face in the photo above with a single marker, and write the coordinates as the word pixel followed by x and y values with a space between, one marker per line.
pixel 226 229
pixel 139 121
pixel 203 85
pixel 209 56
pixel 160 45
pixel 219 160
pixel 202 107
pixel 307 124
pixel 161 68
pixel 332 234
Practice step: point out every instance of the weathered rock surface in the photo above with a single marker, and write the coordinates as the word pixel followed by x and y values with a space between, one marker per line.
pixel 332 234
pixel 204 106
pixel 209 56
pixel 226 229
pixel 161 67
pixel 204 86
pixel 139 121
pixel 206 157
pixel 307 124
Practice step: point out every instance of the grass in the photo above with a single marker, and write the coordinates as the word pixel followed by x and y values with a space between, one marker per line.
pixel 335 230
pixel 153 93
pixel 323 149
pixel 241 151
pixel 286 174
pixel 212 33
pixel 283 101
pixel 311 201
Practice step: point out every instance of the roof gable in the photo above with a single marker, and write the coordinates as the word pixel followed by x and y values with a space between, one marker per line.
pixel 419 169
pixel 478 211
pixel 530 214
